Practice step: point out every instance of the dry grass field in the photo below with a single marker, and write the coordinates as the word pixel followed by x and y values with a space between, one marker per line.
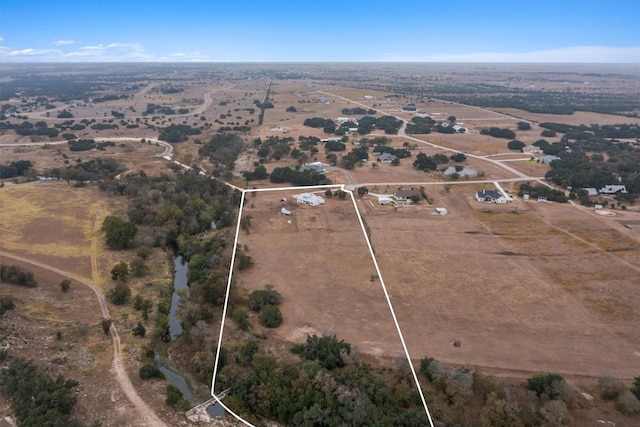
pixel 321 265
pixel 526 287
pixel 58 225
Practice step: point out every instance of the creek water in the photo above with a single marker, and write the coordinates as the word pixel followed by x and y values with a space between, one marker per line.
pixel 180 291
pixel 180 282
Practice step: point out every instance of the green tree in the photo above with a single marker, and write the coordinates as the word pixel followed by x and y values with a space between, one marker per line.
pixel 37 399
pixel 175 397
pixel 119 295
pixel 524 126
pixel 550 385
pixel 119 234
pixel 262 297
pixel 65 285
pixel 106 326
pixel 149 371
pixel 120 271
pixel 146 308
pixel 138 267
pixel 270 316
pixel 327 350
pixel 139 330
pixel 515 145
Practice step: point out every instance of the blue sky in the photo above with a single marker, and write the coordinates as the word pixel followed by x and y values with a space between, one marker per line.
pixel 320 30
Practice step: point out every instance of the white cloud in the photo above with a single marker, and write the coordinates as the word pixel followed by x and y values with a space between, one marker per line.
pixel 111 52
pixel 29 54
pixel 64 42
pixel 186 57
pixel 584 54
pixel 1 39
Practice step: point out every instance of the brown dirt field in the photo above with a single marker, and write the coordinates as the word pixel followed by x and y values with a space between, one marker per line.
pixel 509 297
pixel 321 266
pixel 577 118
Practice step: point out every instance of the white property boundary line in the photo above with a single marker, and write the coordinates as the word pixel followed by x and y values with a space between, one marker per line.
pixel 375 263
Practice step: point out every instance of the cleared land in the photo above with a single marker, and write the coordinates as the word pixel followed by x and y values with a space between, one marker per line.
pixel 322 267
pixel 525 287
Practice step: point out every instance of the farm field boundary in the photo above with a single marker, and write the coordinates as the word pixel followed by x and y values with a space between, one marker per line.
pixel 373 259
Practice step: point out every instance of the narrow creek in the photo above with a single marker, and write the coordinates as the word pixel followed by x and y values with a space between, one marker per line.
pixel 180 291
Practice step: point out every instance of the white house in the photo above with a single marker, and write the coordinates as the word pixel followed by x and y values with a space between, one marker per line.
pixel 404 197
pixel 310 199
pixel 491 196
pixel 613 189
pixel 313 166
pixel 548 159
pixel 442 211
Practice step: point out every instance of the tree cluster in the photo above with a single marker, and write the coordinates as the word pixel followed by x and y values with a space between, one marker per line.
pixel 119 233
pixel 222 149
pixel 17 275
pixel 37 399
pixel 497 132
pixel 327 125
pixel 177 133
pixel 13 169
pixel 297 177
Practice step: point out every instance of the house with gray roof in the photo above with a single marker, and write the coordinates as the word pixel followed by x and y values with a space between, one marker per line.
pixel 490 196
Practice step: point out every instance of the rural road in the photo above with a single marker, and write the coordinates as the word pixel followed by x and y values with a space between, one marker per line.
pixel 148 416
pixel 167 153
pixel 402 134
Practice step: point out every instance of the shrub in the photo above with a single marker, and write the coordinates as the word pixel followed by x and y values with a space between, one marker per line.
pixel 6 304
pixel 120 294
pixel 240 317
pixel 139 330
pixel 259 298
pixel 555 413
pixel 628 404
pixel 635 388
pixel 150 371
pixel 270 316
pixel 610 388
pixel 550 385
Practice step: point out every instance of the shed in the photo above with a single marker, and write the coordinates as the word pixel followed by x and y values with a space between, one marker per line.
pixel 442 211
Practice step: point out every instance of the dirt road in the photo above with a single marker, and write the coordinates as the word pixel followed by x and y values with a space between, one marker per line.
pixel 146 414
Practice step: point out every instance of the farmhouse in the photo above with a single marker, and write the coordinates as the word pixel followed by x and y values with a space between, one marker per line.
pixel 386 158
pixel 313 166
pixel 491 196
pixel 310 199
pixel 548 159
pixel 405 197
pixel 613 189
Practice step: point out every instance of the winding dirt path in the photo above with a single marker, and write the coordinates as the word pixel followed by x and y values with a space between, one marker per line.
pixel 147 415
